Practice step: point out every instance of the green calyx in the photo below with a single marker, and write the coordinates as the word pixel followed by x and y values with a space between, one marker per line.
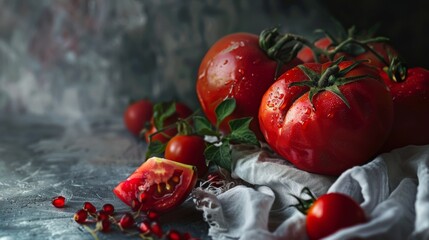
pixel 304 204
pixel 397 69
pixel 280 47
pixel 352 42
pixel 329 80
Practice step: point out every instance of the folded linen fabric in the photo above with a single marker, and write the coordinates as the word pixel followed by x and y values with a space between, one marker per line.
pixel 393 190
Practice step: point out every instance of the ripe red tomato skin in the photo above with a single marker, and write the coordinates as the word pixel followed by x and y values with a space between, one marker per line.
pixel 182 111
pixel 236 67
pixel 136 115
pixel 306 55
pixel 157 171
pixel 188 149
pixel 330 137
pixel 385 50
pixel 411 109
pixel 332 212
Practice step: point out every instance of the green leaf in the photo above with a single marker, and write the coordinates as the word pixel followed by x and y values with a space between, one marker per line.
pixel 240 132
pixel 155 148
pixel 162 111
pixel 220 155
pixel 203 126
pixel 224 109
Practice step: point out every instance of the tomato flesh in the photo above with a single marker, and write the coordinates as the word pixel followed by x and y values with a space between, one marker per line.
pixel 158 184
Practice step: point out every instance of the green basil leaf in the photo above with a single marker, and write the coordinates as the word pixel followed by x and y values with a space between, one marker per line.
pixel 220 155
pixel 224 109
pixel 240 132
pixel 161 111
pixel 203 126
pixel 155 148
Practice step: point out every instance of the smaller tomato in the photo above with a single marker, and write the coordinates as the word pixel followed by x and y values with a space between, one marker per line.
pixel 182 111
pixel 306 55
pixel 332 212
pixel 411 108
pixel 158 185
pixel 136 116
pixel 188 149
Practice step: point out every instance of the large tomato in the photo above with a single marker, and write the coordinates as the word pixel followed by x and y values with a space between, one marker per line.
pixel 136 116
pixel 314 128
pixel 332 212
pixel 411 108
pixel 188 149
pixel 182 111
pixel 158 184
pixel 236 67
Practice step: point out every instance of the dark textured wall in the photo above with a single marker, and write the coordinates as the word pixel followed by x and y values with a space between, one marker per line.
pixel 406 23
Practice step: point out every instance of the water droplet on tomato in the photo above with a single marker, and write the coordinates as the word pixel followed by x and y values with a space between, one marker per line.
pixel 238 57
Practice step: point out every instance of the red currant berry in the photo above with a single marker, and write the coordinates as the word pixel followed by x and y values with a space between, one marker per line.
pixel 101 216
pixel 173 235
pixel 59 201
pixel 89 207
pixel 108 209
pixel 104 225
pixel 144 227
pixel 152 215
pixel 135 205
pixel 127 221
pixel 80 216
pixel 156 229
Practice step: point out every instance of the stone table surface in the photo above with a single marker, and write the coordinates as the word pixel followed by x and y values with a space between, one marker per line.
pixel 39 161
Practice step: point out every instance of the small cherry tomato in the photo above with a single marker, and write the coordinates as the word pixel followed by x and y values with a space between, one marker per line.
pixel 188 149
pixel 332 212
pixel 137 115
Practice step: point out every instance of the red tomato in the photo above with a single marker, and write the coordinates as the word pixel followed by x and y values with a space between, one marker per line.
pixel 158 184
pixel 306 55
pixel 332 212
pixel 411 109
pixel 137 115
pixel 236 67
pixel 385 51
pixel 188 149
pixel 182 111
pixel 324 135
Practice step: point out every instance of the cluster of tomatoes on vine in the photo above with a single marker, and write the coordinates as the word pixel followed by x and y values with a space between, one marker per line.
pixel 324 106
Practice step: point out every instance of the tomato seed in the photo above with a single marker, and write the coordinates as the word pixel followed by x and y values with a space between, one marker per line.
pixel 174 235
pixel 156 229
pixel 144 227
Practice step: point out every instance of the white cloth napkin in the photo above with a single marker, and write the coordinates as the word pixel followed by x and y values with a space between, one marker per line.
pixel 393 190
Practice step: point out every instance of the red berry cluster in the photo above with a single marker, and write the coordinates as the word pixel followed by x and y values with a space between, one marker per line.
pixel 147 223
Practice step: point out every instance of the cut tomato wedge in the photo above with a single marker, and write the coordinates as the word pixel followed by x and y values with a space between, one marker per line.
pixel 158 184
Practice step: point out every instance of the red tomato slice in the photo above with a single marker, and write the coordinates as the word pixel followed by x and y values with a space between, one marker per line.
pixel 158 184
